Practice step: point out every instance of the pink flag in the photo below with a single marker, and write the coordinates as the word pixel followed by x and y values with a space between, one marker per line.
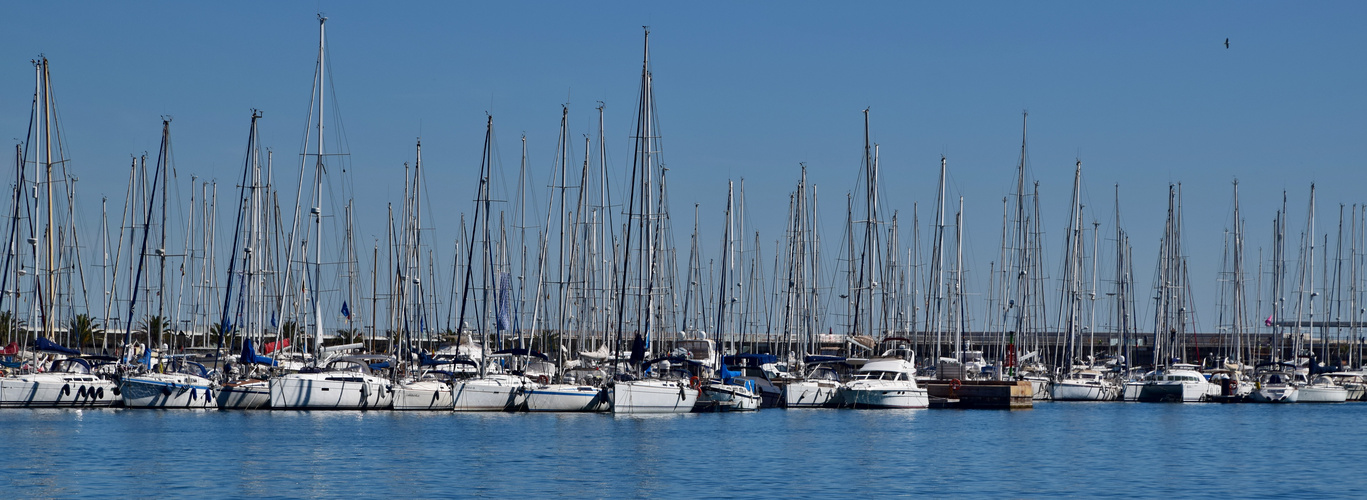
pixel 1269 320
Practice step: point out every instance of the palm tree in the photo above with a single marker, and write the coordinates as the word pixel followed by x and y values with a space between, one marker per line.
pixel 154 326
pixel 10 326
pixel 85 328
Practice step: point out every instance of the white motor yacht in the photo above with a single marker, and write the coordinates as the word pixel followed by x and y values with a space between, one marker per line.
pixel 887 381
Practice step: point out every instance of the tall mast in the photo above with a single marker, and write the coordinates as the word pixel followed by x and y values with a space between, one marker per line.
pixel 317 208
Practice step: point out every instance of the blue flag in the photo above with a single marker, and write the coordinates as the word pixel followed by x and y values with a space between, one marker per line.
pixel 273 325
pixel 345 311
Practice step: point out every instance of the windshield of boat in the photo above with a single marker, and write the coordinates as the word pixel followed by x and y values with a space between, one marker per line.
pixel 697 349
pixel 824 373
pixel 1274 378
pixel 880 375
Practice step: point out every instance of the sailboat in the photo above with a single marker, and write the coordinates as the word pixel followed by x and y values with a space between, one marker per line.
pixel 173 381
pixel 335 380
pixel 1082 382
pixel 250 390
pixel 552 392
pixel 70 380
pixel 245 384
pixel 67 382
pixel 728 391
pixel 670 387
pixel 1275 383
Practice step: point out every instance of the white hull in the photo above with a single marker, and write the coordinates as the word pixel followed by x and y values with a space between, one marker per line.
pixel 730 397
pixel 56 390
pixel 1173 392
pixel 494 393
pixel 1275 394
pixel 1317 394
pixel 1068 390
pixel 1039 386
pixel 653 396
pixel 1356 391
pixel 330 391
pixel 1130 391
pixel 424 395
pixel 247 395
pixel 567 397
pixel 166 390
pixel 887 395
pixel 810 394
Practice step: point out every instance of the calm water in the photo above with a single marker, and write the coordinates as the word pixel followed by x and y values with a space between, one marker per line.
pixel 1070 449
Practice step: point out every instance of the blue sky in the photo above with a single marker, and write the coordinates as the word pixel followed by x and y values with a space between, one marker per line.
pixel 1143 94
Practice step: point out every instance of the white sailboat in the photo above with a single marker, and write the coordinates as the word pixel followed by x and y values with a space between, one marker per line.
pixel 431 390
pixel 820 387
pixel 343 383
pixel 642 282
pixel 1352 382
pixel 246 387
pixel 491 392
pixel 68 382
pixel 1274 385
pixel 1321 389
pixel 1085 384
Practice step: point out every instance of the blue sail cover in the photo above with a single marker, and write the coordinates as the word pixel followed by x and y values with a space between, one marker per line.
pixel 48 345
pixel 249 355
pixel 726 374
pixel 638 350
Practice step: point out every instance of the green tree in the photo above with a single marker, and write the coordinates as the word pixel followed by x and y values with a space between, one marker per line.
pixel 11 327
pixel 154 326
pixel 85 328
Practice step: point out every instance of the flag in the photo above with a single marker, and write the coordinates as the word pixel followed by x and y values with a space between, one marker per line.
pixel 1269 320
pixel 345 311
pixel 273 346
pixel 273 325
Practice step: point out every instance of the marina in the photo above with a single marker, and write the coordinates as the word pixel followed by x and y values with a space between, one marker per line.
pixel 489 309
pixel 592 331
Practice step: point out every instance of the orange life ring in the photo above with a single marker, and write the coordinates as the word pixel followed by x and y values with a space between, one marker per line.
pixel 694 383
pixel 543 379
pixel 955 384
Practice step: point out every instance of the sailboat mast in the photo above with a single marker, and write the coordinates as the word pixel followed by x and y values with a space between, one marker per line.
pixel 318 191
